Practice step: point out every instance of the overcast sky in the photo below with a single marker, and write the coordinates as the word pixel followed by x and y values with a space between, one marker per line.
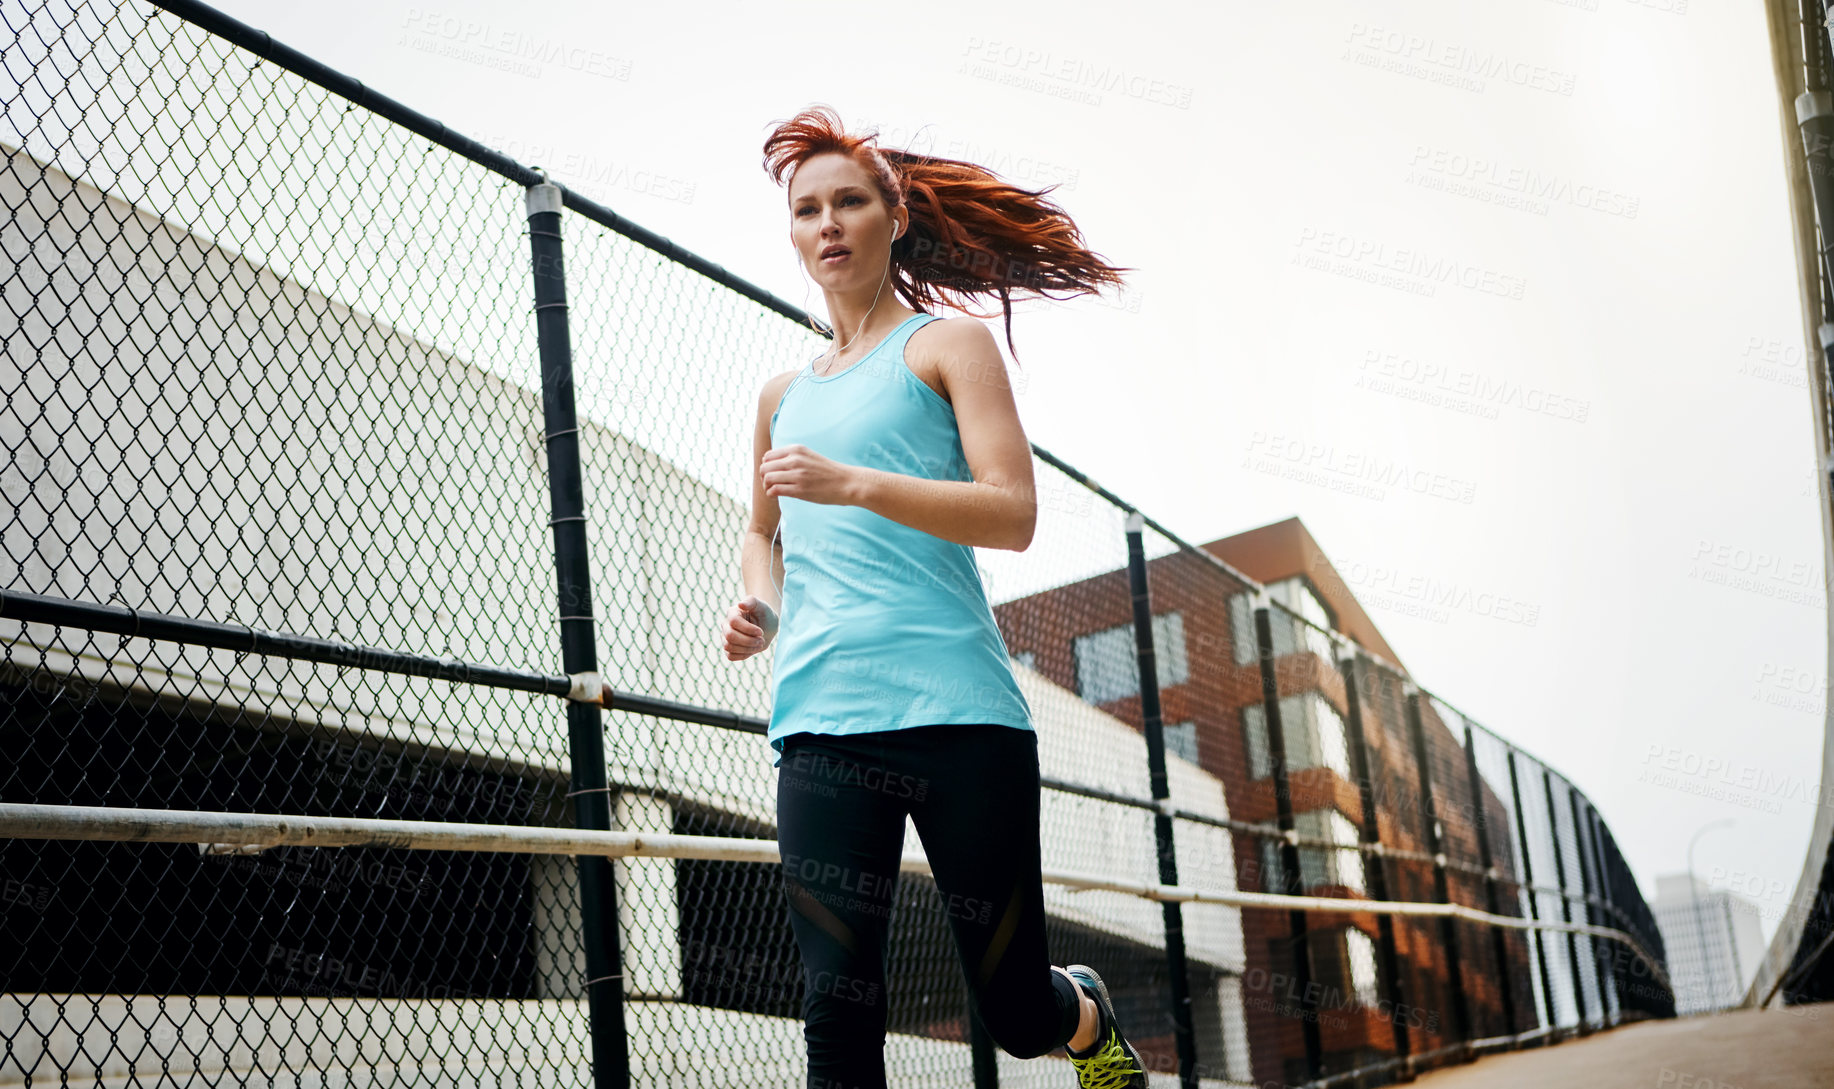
pixel 1535 255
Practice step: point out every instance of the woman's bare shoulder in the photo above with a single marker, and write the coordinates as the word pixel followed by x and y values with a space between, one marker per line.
pixel 959 334
pixel 960 348
pixel 774 386
pixel 770 395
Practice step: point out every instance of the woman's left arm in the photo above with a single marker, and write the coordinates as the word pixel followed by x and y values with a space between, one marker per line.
pixel 998 508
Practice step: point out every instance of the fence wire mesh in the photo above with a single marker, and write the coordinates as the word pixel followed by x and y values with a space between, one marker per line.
pixel 272 365
pixel 238 390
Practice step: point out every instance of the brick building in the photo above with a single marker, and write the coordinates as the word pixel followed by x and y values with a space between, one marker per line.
pixel 1080 636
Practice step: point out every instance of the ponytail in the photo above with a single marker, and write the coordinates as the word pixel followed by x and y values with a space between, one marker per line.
pixel 972 235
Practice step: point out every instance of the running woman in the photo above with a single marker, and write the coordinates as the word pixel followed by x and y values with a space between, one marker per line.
pixel 882 464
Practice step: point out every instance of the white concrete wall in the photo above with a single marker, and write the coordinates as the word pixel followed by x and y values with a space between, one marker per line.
pixel 648 913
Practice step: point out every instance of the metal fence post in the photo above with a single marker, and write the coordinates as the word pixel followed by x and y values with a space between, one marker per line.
pixel 1604 893
pixel 1536 937
pixel 1183 1030
pixel 1582 834
pixel 1375 865
pixel 1566 903
pixel 1429 820
pixel 1290 876
pixel 1492 899
pixel 578 644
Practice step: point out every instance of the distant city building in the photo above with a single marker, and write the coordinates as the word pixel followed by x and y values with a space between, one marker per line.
pixel 1713 941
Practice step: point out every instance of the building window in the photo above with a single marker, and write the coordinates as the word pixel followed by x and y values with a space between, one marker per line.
pixel 1108 666
pixel 1297 594
pixel 1313 730
pixel 1273 874
pixel 1181 739
pixel 1242 629
pixel 1290 635
pixel 1346 966
pixel 1360 953
pixel 1346 866
pixel 1339 865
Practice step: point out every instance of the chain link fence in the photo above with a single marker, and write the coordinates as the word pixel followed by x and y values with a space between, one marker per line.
pixel 289 446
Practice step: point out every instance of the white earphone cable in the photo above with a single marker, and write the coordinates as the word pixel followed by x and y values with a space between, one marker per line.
pixel 799 376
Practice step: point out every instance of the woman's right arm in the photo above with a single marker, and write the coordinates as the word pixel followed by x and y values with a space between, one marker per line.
pixel 751 623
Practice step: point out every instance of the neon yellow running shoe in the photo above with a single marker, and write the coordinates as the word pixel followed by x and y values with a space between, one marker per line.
pixel 1111 1063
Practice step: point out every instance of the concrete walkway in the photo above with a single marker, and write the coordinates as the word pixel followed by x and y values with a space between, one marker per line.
pixel 1790 1048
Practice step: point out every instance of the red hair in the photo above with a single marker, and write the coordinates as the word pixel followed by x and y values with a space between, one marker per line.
pixel 971 234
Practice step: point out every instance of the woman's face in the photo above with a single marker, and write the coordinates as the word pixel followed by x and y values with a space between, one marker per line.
pixel 835 208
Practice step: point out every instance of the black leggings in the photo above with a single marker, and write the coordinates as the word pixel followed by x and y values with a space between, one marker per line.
pixel 972 792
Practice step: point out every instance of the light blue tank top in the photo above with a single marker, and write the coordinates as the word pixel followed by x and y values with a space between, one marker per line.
pixel 883 626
